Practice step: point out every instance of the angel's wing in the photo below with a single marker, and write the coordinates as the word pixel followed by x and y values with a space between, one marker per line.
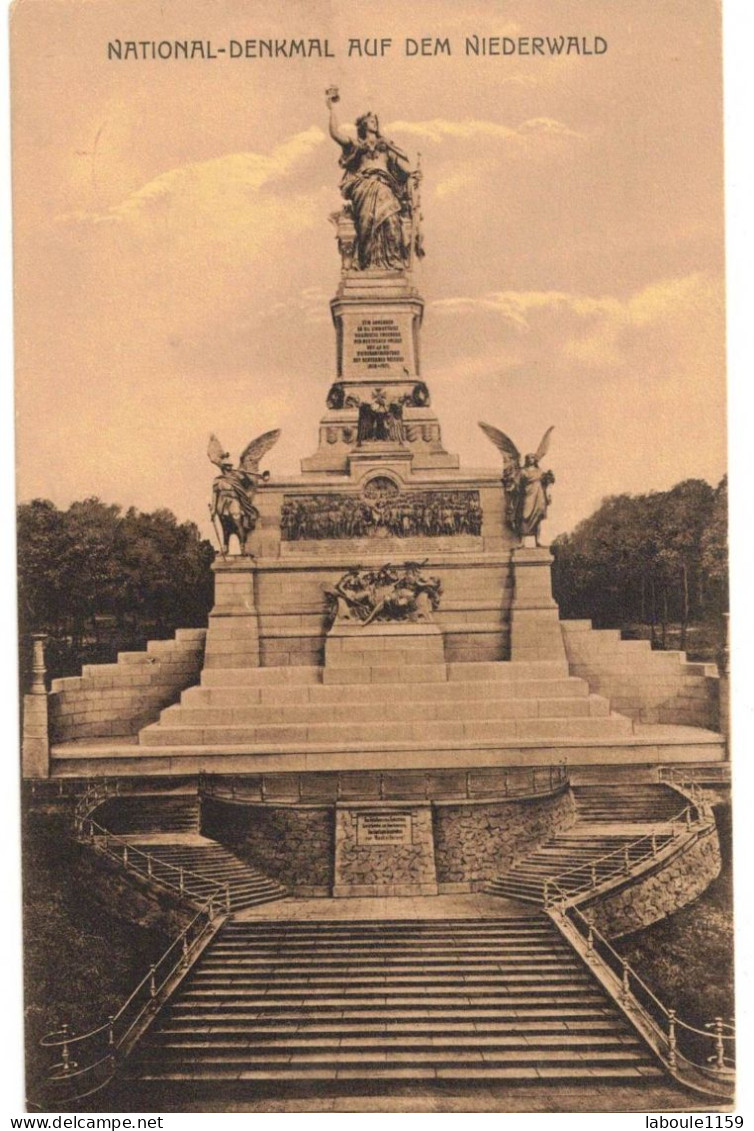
pixel 253 452
pixel 216 451
pixel 544 444
pixel 502 442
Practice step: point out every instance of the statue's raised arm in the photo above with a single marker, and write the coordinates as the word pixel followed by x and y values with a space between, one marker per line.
pixel 336 133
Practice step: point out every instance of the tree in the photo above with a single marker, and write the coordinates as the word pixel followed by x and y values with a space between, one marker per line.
pixel 656 558
pixel 148 573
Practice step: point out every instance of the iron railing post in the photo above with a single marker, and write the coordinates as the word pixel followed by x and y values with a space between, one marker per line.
pixel 65 1054
pixel 672 1040
pixel 719 1045
pixel 625 983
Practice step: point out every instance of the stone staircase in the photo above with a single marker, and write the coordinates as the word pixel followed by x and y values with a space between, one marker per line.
pixel 385 698
pixel 632 801
pixel 584 848
pixel 130 814
pixel 564 853
pixel 389 1002
pixel 212 864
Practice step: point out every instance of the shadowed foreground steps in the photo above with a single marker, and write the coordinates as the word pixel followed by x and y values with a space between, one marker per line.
pixel 354 1000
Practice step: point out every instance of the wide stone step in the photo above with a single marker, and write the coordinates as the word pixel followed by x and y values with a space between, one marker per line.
pixel 615 726
pixel 466 672
pixel 394 1001
pixel 303 714
pixel 253 968
pixel 365 1058
pixel 323 695
pixel 195 1028
pixel 219 1044
pixel 322 927
pixel 345 1016
pixel 294 1074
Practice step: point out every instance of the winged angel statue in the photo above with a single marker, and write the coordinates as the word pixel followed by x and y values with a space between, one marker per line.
pixel 526 488
pixel 234 488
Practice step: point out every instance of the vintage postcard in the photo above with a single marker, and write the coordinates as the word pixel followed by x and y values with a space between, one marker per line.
pixel 372 553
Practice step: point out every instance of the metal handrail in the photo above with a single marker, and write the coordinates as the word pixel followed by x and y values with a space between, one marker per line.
pixel 113 1038
pixel 629 861
pixel 96 792
pixel 551 777
pixel 713 771
pixel 633 994
pixel 101 839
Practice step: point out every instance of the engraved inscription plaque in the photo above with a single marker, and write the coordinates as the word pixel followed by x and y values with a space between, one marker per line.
pixel 378 827
pixel 378 344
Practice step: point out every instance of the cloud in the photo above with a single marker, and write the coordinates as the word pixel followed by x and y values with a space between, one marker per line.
pixel 595 330
pixel 217 183
pixel 440 129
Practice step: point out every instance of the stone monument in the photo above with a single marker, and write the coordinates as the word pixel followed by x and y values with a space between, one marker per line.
pixel 384 647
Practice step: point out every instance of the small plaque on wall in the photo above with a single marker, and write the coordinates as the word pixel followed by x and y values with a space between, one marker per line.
pixel 378 827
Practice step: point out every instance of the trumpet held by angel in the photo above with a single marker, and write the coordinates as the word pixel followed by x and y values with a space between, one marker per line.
pixel 234 488
pixel 526 486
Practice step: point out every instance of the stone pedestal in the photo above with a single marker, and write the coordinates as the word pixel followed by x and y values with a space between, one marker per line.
pixel 349 647
pixel 384 849
pixel 233 634
pixel 35 749
pixel 535 620
pixel 377 317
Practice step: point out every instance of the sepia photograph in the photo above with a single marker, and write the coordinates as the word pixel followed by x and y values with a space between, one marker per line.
pixel 372 556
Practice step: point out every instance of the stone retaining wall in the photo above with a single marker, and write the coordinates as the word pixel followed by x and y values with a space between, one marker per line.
pixel 294 845
pixel 649 686
pixel 474 842
pixel 116 700
pixel 391 869
pixel 664 889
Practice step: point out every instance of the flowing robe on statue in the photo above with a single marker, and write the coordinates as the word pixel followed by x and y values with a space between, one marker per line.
pixel 232 496
pixel 532 501
pixel 373 182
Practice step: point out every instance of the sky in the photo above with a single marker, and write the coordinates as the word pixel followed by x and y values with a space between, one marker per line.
pixel 174 259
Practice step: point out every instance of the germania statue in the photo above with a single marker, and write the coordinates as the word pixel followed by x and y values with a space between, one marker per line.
pixel 527 489
pixel 382 194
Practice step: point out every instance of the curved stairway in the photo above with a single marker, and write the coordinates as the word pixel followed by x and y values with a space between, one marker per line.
pixel 629 801
pixel 567 852
pixel 390 1001
pixel 211 864
pixel 140 813
pixel 581 849
pixel 172 822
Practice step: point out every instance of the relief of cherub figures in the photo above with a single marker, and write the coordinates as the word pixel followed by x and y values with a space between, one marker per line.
pixel 526 487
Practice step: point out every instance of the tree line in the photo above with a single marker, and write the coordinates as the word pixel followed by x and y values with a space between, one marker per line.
pixel 99 579
pixel 658 559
